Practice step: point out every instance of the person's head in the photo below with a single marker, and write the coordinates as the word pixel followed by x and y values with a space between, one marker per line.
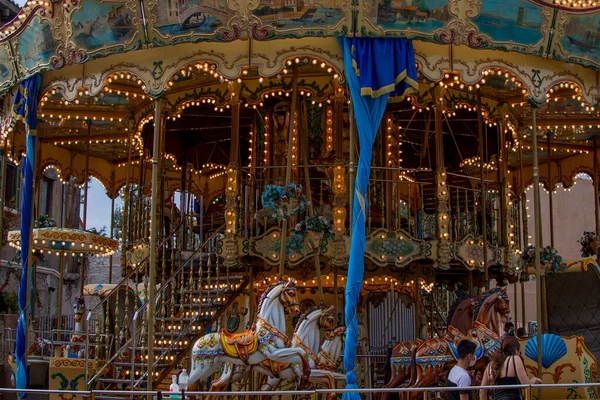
pixel 521 332
pixel 509 326
pixel 510 347
pixel 466 351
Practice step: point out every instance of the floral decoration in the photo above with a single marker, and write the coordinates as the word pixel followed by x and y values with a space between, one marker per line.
pixel 283 200
pixel 549 258
pixel 589 244
pixel 45 221
pixel 318 225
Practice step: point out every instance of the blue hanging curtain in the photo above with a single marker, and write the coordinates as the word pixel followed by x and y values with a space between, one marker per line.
pixel 25 109
pixel 375 70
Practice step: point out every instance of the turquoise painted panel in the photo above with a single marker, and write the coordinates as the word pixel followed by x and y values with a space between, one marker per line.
pixel 419 15
pixel 103 24
pixel 36 44
pixel 184 17
pixel 304 17
pixel 6 67
pixel 581 37
pixel 519 21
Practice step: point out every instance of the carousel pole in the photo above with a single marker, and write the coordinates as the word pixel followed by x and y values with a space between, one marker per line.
pixel 288 168
pixel 85 199
pixel 156 159
pixel 112 228
pixel 525 228
pixel 57 349
pixel 125 211
pixel 595 177
pixel 311 211
pixel 482 200
pixel 538 239
pixel 550 187
pixel 3 187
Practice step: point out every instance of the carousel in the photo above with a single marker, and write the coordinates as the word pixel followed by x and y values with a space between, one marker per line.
pixel 312 193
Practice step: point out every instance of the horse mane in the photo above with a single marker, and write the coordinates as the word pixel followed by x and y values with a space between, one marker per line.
pixel 266 293
pixel 305 315
pixel 455 306
pixel 481 299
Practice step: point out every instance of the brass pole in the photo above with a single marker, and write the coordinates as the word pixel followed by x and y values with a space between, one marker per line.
pixel 550 187
pixel 538 238
pixel 112 228
pixel 596 205
pixel 482 200
pixel 351 165
pixel 85 201
pixel 288 168
pixel 3 189
pixel 158 127
pixel 311 211
pixel 60 305
pixel 524 227
pixel 124 217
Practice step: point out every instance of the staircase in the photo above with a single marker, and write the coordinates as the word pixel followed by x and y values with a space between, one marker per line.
pixel 195 290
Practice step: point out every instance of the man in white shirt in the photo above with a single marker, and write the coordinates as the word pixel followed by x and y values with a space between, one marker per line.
pixel 459 376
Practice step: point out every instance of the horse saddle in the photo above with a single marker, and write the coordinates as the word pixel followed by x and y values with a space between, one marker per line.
pixel 239 345
pixel 452 346
pixel 274 366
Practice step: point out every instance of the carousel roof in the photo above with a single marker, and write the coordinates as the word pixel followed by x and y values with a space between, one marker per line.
pixel 49 35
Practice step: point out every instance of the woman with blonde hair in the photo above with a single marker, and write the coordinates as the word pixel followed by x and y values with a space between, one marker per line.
pixel 506 368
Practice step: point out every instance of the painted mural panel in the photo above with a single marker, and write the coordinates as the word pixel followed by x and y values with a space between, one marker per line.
pixel 7 71
pixel 518 22
pixel 306 17
pixel 101 24
pixel 408 18
pixel 578 38
pixel 176 18
pixel 36 45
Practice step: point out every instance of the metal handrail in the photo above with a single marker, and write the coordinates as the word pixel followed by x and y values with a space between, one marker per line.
pixel 130 274
pixel 110 294
pixel 108 362
pixel 163 286
pixel 313 392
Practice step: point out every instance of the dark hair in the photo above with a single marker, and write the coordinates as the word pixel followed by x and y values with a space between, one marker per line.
pixel 509 325
pixel 521 332
pixel 510 347
pixel 465 347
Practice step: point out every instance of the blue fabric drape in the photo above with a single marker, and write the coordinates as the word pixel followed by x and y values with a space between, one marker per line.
pixel 375 69
pixel 25 109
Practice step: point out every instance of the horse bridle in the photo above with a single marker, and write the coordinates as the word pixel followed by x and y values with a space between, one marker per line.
pixel 285 302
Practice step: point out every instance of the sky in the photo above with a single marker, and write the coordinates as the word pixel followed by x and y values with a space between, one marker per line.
pixel 98 206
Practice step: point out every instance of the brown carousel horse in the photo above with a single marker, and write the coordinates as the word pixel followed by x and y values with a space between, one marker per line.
pixel 411 358
pixel 490 309
pixel 435 357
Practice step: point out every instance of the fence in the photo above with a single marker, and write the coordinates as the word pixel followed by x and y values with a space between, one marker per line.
pixel 530 392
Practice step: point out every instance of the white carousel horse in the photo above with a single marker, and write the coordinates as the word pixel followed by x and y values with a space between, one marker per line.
pixel 267 341
pixel 322 362
pixel 76 349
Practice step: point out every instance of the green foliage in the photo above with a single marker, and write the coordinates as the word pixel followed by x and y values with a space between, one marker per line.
pixel 9 303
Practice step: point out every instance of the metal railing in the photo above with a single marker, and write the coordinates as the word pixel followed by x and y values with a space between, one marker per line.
pixel 529 390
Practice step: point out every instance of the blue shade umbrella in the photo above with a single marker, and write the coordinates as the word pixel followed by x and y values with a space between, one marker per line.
pixel 375 70
pixel 25 106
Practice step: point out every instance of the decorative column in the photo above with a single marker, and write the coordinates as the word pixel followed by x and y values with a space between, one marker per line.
pixel 508 223
pixel 232 187
pixel 340 189
pixel 442 194
pixel 159 127
pixel 537 215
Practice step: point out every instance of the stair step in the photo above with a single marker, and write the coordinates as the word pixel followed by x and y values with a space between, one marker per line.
pixel 128 364
pixel 114 380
